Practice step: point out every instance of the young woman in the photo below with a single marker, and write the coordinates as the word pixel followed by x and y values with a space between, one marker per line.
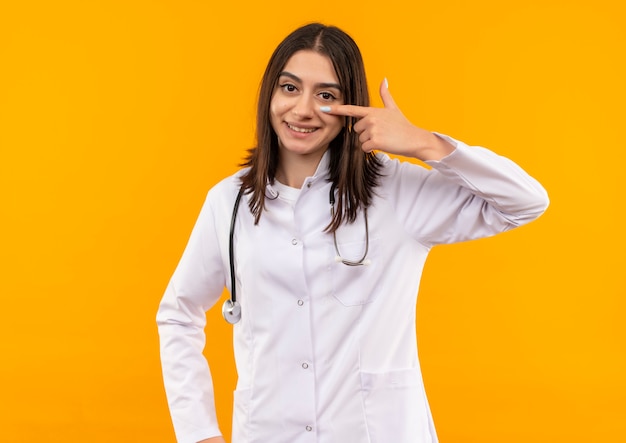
pixel 324 315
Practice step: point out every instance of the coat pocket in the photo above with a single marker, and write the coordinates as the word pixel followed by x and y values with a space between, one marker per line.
pixel 395 407
pixel 357 285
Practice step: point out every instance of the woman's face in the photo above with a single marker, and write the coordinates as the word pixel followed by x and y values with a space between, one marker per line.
pixel 307 82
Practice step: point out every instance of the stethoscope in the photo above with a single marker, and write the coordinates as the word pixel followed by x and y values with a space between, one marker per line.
pixel 231 309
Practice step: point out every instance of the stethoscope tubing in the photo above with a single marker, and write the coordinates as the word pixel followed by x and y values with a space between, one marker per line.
pixel 231 309
pixel 231 246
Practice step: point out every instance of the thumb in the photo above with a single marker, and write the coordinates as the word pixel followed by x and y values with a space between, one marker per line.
pixel 388 100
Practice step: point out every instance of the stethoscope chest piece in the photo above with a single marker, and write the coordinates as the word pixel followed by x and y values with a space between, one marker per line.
pixel 231 310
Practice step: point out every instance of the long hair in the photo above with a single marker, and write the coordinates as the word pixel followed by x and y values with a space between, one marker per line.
pixel 353 172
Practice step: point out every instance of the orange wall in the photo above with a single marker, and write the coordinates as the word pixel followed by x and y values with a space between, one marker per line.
pixel 117 116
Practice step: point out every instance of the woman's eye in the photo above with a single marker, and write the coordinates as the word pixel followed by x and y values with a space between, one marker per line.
pixel 288 87
pixel 327 96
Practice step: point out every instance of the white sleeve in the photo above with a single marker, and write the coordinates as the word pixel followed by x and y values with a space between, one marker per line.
pixel 194 288
pixel 469 194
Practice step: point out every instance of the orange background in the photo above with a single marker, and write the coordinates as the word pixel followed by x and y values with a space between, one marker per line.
pixel 116 117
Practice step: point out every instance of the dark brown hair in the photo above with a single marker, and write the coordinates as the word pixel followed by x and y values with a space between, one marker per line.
pixel 353 172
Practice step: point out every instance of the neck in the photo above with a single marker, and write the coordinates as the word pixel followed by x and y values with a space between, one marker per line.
pixel 293 169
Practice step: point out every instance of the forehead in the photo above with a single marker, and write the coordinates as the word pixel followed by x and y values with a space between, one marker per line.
pixel 311 66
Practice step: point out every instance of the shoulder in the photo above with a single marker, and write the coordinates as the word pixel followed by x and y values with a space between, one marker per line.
pixel 394 169
pixel 224 192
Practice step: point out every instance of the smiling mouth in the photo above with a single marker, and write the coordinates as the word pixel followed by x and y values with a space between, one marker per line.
pixel 301 130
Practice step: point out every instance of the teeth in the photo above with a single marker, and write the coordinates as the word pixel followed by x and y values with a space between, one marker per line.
pixel 303 130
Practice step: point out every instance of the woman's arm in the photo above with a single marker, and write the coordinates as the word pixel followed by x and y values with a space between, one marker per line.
pixel 473 193
pixel 195 286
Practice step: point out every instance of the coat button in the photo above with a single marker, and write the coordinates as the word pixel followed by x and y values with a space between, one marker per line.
pixel 309 428
pixel 305 365
pixel 300 302
pixel 294 241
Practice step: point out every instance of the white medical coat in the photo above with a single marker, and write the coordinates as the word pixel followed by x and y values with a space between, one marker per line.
pixel 327 353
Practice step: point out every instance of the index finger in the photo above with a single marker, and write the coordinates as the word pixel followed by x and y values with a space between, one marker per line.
pixel 346 110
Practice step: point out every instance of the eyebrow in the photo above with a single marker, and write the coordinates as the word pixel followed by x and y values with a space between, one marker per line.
pixel 318 85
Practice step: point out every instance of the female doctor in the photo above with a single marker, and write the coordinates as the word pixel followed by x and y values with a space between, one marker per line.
pixel 323 257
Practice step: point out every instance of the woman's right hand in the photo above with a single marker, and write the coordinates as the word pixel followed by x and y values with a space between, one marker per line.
pixel 213 440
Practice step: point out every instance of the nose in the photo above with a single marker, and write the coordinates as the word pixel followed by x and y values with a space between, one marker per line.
pixel 303 108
